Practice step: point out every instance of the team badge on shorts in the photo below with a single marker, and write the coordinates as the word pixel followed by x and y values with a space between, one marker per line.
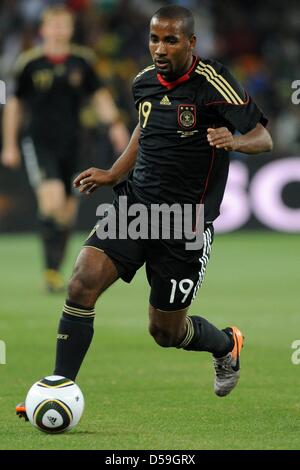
pixel 187 116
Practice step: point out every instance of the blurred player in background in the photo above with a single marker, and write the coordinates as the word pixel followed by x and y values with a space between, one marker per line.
pixel 51 81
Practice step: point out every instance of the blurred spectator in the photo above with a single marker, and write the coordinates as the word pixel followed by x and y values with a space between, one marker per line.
pixel 259 40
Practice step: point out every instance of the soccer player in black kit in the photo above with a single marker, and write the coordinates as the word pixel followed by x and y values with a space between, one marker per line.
pixel 51 81
pixel 189 108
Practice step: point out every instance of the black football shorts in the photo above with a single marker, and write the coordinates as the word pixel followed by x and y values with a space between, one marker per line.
pixel 43 162
pixel 174 274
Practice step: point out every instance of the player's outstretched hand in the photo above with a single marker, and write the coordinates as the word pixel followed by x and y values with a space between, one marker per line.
pixel 89 180
pixel 221 138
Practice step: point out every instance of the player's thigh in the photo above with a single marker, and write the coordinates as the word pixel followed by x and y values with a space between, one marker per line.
pixel 128 255
pixel 51 196
pixel 93 273
pixel 175 276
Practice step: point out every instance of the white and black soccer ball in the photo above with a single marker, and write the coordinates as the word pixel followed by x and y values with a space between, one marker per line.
pixel 54 404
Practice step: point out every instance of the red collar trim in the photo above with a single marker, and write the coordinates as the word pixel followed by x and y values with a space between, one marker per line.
pixel 57 59
pixel 182 79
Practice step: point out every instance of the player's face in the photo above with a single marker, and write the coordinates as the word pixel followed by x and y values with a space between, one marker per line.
pixel 58 28
pixel 170 48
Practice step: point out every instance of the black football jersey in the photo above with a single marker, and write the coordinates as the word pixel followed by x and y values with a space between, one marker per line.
pixel 53 91
pixel 175 163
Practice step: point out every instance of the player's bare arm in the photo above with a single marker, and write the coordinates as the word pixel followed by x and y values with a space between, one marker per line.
pixel 255 141
pixel 93 178
pixel 109 114
pixel 11 122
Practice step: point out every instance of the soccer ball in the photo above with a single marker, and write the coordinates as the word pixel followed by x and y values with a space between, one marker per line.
pixel 54 404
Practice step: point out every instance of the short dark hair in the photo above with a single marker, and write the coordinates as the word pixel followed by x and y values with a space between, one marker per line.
pixel 173 12
pixel 56 10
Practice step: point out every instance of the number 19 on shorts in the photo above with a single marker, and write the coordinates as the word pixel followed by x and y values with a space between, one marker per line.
pixel 184 286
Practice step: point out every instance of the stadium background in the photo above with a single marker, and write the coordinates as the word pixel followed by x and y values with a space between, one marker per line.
pixel 138 396
pixel 260 48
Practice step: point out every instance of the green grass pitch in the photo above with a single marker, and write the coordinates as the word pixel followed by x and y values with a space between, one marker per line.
pixel 140 396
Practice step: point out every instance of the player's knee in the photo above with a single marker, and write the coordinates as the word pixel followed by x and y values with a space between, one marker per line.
pixel 164 338
pixel 81 287
pixel 76 289
pixel 52 210
pixel 52 206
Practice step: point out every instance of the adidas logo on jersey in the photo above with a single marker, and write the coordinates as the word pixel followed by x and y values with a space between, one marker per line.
pixel 165 101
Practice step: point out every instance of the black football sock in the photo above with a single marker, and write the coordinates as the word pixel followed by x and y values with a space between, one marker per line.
pixel 203 336
pixel 54 237
pixel 75 334
pixel 63 235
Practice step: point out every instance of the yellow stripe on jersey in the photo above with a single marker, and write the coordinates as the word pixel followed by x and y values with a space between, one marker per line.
pixel 26 57
pixel 228 90
pixel 147 69
pixel 215 84
pixel 84 52
pixel 34 53
pixel 214 79
pixel 226 83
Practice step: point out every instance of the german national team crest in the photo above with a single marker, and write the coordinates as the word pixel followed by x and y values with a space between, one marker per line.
pixel 187 116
